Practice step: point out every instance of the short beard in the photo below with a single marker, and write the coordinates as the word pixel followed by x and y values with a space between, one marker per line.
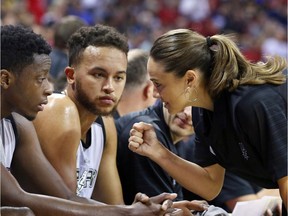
pixel 82 98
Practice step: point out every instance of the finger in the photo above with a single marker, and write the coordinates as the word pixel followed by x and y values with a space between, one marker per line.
pixel 134 132
pixel 133 146
pixel 175 212
pixel 166 205
pixel 136 139
pixel 141 197
pixel 198 205
pixel 163 196
pixel 141 126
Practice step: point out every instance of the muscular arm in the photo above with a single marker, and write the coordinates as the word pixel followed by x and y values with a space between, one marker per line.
pixel 13 195
pixel 108 188
pixel 41 205
pixel 31 168
pixel 59 132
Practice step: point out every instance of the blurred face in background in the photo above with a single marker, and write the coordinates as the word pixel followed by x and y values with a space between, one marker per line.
pixel 180 124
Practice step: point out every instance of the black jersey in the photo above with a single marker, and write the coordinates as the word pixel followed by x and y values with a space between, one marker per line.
pixel 139 173
pixel 246 133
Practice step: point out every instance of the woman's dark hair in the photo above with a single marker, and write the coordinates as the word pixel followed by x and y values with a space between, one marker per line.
pixel 217 57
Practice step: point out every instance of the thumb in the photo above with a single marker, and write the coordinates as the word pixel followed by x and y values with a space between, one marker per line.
pixel 166 204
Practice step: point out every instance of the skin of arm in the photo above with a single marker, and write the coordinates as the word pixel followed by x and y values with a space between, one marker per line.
pixel 41 205
pixel 32 169
pixel 59 132
pixel 108 187
pixel 283 187
pixel 206 182
pixel 16 211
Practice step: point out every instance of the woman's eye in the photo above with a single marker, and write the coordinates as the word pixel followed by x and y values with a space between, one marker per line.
pixel 157 85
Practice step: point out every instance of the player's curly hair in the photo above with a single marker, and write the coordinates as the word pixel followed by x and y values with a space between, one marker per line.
pixel 18 45
pixel 98 35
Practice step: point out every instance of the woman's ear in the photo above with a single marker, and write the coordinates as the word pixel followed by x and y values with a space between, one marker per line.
pixel 6 78
pixel 190 77
pixel 70 72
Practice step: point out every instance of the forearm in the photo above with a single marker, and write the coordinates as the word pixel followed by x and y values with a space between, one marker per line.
pixel 15 211
pixel 86 200
pixel 193 177
pixel 42 205
pixel 283 187
pixel 108 187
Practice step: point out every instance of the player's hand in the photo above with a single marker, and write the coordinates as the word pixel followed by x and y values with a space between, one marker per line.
pixel 190 206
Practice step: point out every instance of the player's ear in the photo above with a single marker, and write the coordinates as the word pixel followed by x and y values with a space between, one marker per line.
pixel 70 72
pixel 148 90
pixel 7 78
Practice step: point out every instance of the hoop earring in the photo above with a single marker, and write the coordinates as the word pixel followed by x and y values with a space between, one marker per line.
pixel 188 91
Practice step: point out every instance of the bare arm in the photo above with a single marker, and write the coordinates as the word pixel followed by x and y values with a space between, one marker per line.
pixel 41 205
pixel 30 166
pixel 59 132
pixel 206 182
pixel 13 195
pixel 32 169
pixel 108 188
pixel 283 187
pixel 16 211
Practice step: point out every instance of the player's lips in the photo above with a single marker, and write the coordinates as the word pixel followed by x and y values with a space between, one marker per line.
pixel 107 99
pixel 182 119
pixel 180 122
pixel 42 104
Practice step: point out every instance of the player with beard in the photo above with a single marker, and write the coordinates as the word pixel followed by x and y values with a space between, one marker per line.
pixel 80 123
pixel 24 89
pixel 76 127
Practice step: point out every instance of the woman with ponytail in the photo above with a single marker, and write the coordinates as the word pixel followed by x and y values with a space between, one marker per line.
pixel 239 112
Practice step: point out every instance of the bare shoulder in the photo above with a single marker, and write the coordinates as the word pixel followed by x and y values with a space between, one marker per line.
pixel 58 123
pixel 60 108
pixel 60 103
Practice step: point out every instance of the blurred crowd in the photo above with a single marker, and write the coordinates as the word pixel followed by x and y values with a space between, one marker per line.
pixel 258 26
